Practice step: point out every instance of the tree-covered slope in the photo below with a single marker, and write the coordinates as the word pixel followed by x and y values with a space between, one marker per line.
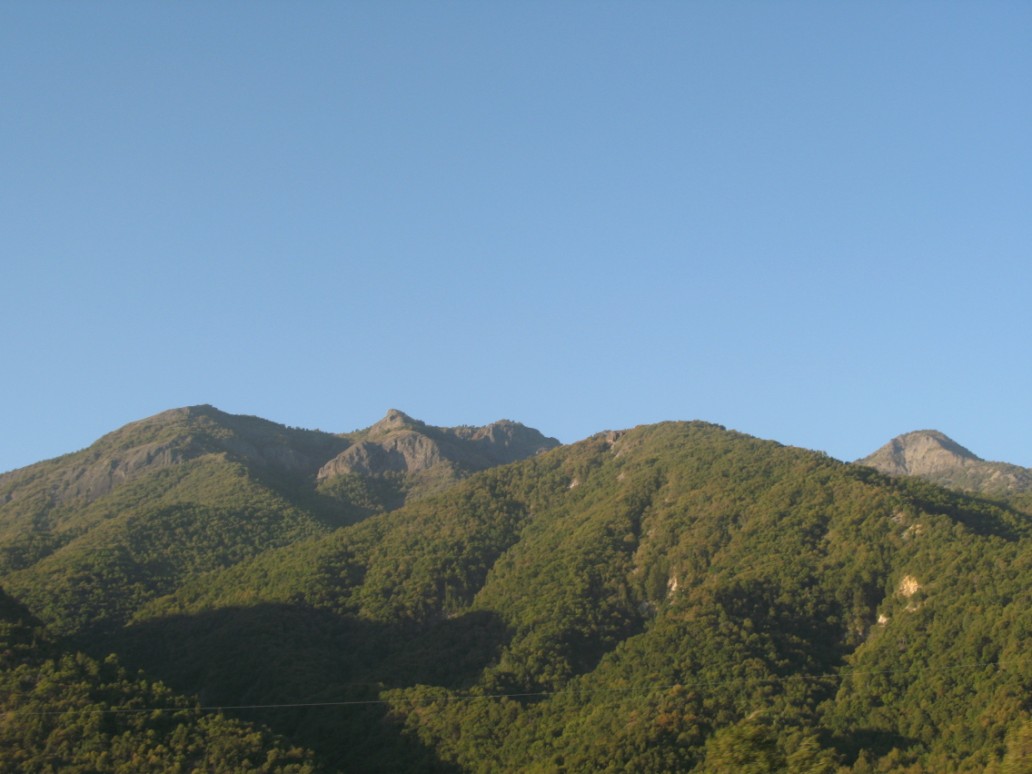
pixel 65 711
pixel 672 597
pixel 88 538
pixel 191 454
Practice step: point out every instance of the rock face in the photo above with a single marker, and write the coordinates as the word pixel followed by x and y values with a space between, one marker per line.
pixel 398 443
pixel 405 452
pixel 920 453
pixel 933 456
pixel 167 439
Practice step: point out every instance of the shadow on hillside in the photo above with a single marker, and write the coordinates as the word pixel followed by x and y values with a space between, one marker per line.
pixel 806 639
pixel 874 743
pixel 331 668
pixel 981 514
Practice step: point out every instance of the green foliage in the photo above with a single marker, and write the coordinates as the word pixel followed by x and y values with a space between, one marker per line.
pixel 671 598
pixel 358 497
pixel 66 711
pixel 153 534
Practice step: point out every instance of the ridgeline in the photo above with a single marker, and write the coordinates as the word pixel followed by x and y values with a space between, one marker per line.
pixel 674 597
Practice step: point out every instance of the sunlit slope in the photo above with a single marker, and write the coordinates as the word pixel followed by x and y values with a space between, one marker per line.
pixel 151 462
pixel 91 536
pixel 663 598
pixel 88 538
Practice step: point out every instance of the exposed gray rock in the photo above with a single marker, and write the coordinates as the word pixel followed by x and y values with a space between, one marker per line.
pixel 920 453
pixel 399 443
pixel 96 479
pixel 405 452
pixel 933 456
pixel 171 438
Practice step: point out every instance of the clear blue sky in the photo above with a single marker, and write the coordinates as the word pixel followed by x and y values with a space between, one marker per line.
pixel 810 222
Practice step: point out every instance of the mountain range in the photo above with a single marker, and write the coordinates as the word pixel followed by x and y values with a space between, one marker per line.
pixel 673 597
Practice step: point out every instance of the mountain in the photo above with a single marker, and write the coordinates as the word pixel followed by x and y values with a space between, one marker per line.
pixel 419 458
pixel 932 456
pixel 91 536
pixel 398 443
pixel 672 597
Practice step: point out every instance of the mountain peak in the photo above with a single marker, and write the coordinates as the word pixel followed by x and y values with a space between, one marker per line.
pixel 919 453
pixel 394 419
pixel 399 443
pixel 934 456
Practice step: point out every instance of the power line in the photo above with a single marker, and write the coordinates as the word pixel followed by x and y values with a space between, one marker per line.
pixel 292 705
pixel 651 691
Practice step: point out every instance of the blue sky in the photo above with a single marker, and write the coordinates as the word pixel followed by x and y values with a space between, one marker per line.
pixel 805 221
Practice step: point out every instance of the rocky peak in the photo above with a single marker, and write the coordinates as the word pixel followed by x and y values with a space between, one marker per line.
pixel 935 457
pixel 399 443
pixel 920 453
pixel 393 420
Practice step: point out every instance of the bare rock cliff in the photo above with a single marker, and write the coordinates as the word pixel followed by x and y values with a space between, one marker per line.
pixel 399 443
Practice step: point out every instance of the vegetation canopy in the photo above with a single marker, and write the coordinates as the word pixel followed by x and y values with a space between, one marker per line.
pixel 676 597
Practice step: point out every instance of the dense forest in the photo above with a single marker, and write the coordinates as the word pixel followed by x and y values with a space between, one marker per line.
pixel 204 591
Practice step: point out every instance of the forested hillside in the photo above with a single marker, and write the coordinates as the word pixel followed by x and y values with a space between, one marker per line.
pixel 88 538
pixel 65 711
pixel 675 597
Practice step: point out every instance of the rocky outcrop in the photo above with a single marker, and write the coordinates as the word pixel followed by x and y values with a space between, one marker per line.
pixel 404 452
pixel 166 439
pixel 920 453
pixel 399 443
pixel 99 477
pixel 933 456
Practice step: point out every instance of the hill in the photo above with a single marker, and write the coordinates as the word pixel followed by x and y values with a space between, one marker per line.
pixel 932 456
pixel 669 598
pixel 673 597
pixel 91 536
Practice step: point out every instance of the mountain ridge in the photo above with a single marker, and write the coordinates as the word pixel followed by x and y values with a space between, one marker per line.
pixel 694 580
pixel 398 443
pixel 180 434
pixel 195 489
pixel 672 597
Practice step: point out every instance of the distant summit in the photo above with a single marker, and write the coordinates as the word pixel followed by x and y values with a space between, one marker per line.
pixel 396 444
pixel 217 489
pixel 400 444
pixel 920 453
pixel 934 456
pixel 394 420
